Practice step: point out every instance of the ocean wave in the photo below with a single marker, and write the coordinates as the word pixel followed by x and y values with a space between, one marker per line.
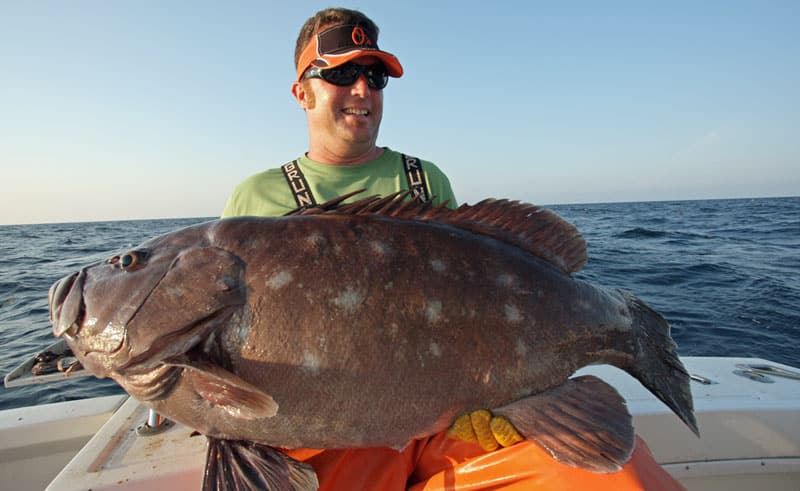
pixel 641 233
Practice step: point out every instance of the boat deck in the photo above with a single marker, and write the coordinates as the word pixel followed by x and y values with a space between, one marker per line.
pixel 119 458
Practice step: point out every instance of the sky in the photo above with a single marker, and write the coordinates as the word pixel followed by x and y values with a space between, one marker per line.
pixel 152 109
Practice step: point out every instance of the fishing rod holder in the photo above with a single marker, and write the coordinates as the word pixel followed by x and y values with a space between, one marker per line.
pixel 154 424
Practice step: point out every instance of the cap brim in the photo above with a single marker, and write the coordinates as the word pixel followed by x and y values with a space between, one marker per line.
pixel 390 61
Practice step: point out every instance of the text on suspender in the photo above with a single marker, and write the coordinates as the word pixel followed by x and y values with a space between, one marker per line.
pixel 298 184
pixel 416 179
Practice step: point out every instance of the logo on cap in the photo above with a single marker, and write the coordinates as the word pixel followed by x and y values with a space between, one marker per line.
pixel 360 37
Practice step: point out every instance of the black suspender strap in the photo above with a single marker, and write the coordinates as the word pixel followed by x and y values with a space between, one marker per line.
pixel 305 198
pixel 416 178
pixel 298 184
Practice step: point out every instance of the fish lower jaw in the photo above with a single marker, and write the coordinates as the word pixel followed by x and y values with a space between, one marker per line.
pixel 179 342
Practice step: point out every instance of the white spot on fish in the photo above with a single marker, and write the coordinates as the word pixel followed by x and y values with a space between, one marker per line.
pixel 435 350
pixel 379 248
pixel 279 280
pixel 438 265
pixel 388 286
pixel 512 313
pixel 505 280
pixel 349 300
pixel 433 311
pixel 521 349
pixel 311 362
pixel 315 239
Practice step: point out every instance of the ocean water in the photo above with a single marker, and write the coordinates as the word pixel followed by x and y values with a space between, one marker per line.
pixel 725 274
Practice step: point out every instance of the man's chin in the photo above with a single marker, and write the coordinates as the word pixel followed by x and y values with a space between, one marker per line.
pixel 360 136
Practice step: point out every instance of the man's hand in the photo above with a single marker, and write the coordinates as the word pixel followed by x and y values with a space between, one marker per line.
pixel 490 432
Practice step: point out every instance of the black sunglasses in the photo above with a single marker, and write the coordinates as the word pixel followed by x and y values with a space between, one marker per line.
pixel 347 74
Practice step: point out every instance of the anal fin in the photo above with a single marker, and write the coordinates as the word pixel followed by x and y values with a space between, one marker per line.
pixel 243 465
pixel 583 423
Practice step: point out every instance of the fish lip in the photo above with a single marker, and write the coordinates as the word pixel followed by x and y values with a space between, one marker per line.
pixel 57 294
pixel 68 289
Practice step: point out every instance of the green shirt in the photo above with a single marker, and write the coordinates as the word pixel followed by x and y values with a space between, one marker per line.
pixel 268 193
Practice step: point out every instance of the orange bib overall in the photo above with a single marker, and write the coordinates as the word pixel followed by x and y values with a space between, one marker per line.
pixel 439 463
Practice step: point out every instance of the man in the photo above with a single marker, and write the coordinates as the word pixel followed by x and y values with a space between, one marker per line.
pixel 341 75
pixel 343 102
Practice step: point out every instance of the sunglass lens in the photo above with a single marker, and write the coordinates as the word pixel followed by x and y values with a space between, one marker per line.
pixel 347 74
pixel 377 77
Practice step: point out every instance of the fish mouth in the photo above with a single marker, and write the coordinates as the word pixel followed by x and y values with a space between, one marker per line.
pixel 68 316
pixel 66 304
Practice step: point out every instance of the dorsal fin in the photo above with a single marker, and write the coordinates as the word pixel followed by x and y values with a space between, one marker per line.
pixel 328 205
pixel 536 230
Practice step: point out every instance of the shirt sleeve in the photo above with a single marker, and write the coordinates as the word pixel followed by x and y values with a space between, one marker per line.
pixel 439 185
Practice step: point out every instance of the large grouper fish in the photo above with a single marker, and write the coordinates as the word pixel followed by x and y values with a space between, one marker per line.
pixel 368 324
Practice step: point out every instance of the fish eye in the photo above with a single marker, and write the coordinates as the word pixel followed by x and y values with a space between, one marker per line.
pixel 130 261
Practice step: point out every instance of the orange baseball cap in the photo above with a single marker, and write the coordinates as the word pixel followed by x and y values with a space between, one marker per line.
pixel 339 44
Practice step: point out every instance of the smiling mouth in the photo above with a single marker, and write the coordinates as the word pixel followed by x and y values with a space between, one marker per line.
pixel 356 112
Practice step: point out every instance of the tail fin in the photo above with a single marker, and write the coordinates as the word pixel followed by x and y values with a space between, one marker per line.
pixel 656 364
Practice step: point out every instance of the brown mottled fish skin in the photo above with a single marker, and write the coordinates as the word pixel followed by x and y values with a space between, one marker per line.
pixel 359 328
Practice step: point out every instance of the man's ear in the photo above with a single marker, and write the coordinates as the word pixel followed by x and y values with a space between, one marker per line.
pixel 303 95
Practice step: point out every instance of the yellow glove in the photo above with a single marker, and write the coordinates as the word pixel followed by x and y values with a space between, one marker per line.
pixel 490 432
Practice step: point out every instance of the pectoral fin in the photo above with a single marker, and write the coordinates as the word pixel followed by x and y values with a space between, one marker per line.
pixel 232 464
pixel 583 423
pixel 226 390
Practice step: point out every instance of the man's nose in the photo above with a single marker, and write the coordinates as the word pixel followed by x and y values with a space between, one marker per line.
pixel 361 87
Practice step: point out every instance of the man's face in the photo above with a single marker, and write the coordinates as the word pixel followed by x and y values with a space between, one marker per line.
pixel 344 116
